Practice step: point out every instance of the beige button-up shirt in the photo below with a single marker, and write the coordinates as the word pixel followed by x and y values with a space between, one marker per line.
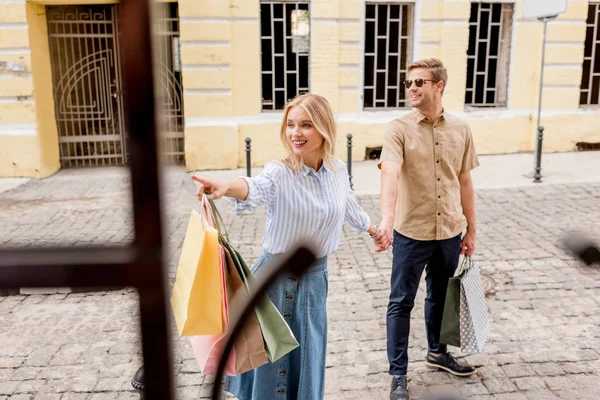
pixel 431 154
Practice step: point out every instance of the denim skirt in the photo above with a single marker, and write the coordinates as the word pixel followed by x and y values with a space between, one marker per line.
pixel 301 373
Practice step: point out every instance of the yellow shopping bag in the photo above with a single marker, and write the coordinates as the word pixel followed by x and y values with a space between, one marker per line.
pixel 198 291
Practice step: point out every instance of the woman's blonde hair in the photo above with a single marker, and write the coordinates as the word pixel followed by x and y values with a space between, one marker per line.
pixel 320 113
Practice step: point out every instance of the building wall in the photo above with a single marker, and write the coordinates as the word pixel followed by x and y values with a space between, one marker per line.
pixel 440 30
pixel 220 49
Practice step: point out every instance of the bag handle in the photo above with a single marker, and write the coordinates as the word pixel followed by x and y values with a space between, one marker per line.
pixel 464 267
pixel 209 208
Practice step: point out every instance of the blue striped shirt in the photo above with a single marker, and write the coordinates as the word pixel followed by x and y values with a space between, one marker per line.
pixel 304 204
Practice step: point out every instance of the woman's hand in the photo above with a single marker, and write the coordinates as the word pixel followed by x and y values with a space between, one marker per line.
pixel 208 186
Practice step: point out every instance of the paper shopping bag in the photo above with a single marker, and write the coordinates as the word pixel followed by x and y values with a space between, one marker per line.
pixel 197 294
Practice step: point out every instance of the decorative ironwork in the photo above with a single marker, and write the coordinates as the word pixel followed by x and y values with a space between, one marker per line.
pixel 590 78
pixel 388 49
pixel 169 90
pixel 488 55
pixel 284 51
pixel 88 92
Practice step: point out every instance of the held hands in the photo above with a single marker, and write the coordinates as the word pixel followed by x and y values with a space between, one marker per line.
pixel 383 238
pixel 208 186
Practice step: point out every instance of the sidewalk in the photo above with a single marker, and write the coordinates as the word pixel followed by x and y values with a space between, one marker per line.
pixel 494 172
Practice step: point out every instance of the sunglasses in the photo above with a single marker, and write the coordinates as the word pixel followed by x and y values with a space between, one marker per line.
pixel 418 82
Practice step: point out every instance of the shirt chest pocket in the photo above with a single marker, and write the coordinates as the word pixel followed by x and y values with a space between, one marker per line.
pixel 455 150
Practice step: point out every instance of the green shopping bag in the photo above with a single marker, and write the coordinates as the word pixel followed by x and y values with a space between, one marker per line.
pixel 279 338
pixel 450 331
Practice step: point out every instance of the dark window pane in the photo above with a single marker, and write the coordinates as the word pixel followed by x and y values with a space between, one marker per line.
pixel 405 20
pixel 485 6
pixel 265 19
pixel 469 97
pixel 496 12
pixel 494 41
pixel 481 52
pixel 479 89
pixel 392 97
pixel 591 13
pixel 278 10
pixel 278 37
pixel 491 74
pixel 382 19
pixel 369 70
pixel 266 54
pixel 380 53
pixel 395 11
pixel 279 100
pixel 267 87
pixel 585 76
pixel 595 89
pixel 474 12
pixel 291 86
pixel 303 6
pixel 303 71
pixel 370 11
pixel 392 71
pixel 370 37
pixel 279 72
pixel 290 57
pixel 597 59
pixel 589 41
pixel 394 37
pixel 403 53
pixel 368 97
pixel 490 97
pixel 583 98
pixel 484 24
pixel 380 86
pixel 470 72
pixel 472 40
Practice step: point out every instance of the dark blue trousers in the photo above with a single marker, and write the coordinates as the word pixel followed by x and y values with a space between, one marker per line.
pixel 439 258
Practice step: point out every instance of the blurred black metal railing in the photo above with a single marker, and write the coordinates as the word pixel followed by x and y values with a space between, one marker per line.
pixel 140 264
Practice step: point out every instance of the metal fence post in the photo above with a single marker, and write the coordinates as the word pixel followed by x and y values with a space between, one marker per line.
pixel 349 136
pixel 537 178
pixel 248 150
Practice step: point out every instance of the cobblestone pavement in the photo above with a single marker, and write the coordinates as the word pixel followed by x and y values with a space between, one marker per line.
pixel 546 324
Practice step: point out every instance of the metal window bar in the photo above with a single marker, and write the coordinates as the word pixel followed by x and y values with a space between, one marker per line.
pixel 590 78
pixel 488 55
pixel 285 74
pixel 140 264
pixel 388 48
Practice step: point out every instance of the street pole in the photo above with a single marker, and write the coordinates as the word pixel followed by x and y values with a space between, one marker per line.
pixel 537 177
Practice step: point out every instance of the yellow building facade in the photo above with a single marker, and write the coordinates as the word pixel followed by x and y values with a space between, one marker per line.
pixel 225 98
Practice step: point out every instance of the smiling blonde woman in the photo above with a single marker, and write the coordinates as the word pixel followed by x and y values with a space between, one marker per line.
pixel 308 196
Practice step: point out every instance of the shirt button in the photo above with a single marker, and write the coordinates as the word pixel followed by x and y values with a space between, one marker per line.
pixel 439 197
pixel 290 297
pixel 438 161
pixel 288 315
pixel 438 179
pixel 439 213
pixel 436 144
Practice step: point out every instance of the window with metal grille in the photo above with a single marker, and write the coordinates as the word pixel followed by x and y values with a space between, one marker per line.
pixel 388 49
pixel 488 56
pixel 590 79
pixel 285 40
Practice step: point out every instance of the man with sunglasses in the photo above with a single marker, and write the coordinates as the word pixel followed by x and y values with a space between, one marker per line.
pixel 427 202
